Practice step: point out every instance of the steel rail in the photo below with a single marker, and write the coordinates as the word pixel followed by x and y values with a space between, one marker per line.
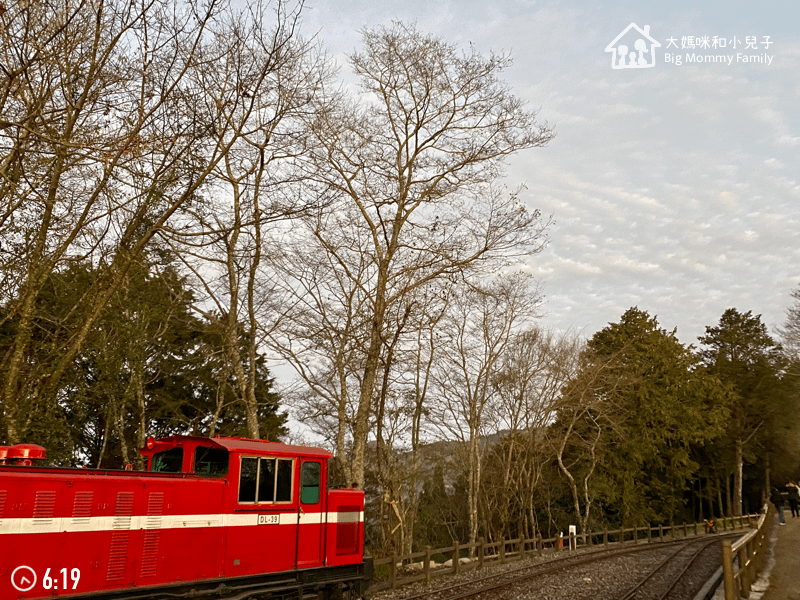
pixel 685 570
pixel 663 565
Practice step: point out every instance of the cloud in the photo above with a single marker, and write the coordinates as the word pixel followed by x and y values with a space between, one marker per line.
pixel 673 188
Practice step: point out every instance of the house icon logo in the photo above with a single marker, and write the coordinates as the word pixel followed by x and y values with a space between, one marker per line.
pixel 633 48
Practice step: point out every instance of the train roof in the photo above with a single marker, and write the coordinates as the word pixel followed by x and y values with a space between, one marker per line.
pixel 243 445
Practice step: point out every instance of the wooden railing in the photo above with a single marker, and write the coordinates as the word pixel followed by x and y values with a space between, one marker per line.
pixel 394 571
pixel 749 551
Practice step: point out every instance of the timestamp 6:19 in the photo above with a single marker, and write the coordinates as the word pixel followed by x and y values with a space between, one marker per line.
pixel 49 582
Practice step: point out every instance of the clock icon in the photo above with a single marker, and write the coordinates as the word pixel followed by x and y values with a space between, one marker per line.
pixel 23 578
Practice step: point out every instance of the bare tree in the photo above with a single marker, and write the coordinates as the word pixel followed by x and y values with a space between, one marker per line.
pixel 320 329
pixel 584 418
pixel 401 406
pixel 536 366
pixel 413 168
pixel 476 335
pixel 278 76
pixel 107 134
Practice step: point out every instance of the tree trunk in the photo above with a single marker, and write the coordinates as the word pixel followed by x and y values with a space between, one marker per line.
pixel 737 480
pixel 141 430
pixel 474 487
pixel 361 428
pixel 123 444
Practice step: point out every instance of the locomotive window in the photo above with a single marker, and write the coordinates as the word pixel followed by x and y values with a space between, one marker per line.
pixel 168 461
pixel 284 481
pixel 309 482
pixel 248 479
pixel 210 461
pixel 265 480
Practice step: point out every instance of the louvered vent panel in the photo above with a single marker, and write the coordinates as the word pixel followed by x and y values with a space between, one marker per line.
pixel 152 535
pixel 43 507
pixel 347 532
pixel 82 508
pixel 3 494
pixel 117 555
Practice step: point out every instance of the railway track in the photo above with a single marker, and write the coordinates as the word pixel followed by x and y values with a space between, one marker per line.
pixel 648 572
pixel 663 582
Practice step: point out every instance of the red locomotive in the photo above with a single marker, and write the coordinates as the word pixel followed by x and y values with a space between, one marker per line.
pixel 215 518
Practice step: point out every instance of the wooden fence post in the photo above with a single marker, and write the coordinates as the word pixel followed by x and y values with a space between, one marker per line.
pixel 481 551
pixel 539 545
pixel 727 569
pixel 744 570
pixel 427 565
pixel 456 560
pixel 502 549
pixel 685 532
pixel 522 547
pixel 393 572
pixel 660 532
pixel 605 538
pixel 649 533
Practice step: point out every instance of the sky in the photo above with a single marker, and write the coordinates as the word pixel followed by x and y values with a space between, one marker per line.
pixel 673 187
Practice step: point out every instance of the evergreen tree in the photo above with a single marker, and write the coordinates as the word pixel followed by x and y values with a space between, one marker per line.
pixel 763 402
pixel 150 366
pixel 649 405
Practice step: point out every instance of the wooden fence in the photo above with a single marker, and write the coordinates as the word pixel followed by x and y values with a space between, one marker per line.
pixel 394 571
pixel 749 551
